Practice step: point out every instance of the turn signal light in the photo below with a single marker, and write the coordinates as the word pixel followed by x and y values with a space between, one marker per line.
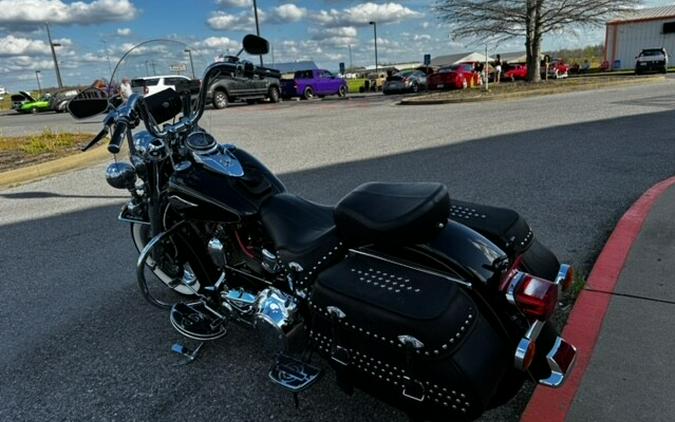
pixel 534 297
pixel 525 353
pixel 565 277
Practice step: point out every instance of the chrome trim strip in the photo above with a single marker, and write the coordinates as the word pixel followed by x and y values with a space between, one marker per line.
pixel 513 285
pixel 184 201
pixel 423 270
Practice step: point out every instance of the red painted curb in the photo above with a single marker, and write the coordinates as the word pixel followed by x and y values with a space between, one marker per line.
pixel 585 322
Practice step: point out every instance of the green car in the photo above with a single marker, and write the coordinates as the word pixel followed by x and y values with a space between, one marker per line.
pixel 25 103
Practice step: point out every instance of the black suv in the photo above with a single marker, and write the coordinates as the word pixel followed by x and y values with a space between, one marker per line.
pixel 244 81
pixel 651 60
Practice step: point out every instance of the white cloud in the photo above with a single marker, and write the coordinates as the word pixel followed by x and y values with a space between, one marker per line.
pixel 235 3
pixel 228 22
pixel 124 32
pixel 27 13
pixel 339 37
pixel 287 13
pixel 421 37
pixel 219 43
pixel 362 14
pixel 13 46
pixel 244 21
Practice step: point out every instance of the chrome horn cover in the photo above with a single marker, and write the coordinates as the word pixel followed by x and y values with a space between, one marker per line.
pixel 121 175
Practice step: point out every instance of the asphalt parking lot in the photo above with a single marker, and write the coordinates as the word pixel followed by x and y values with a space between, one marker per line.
pixel 80 343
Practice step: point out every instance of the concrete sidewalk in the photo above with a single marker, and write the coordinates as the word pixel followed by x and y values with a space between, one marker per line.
pixel 631 375
pixel 623 325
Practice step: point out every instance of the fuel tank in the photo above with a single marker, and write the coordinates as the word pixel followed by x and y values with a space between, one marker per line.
pixel 200 192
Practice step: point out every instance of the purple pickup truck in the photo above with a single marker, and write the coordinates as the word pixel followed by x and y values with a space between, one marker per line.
pixel 310 83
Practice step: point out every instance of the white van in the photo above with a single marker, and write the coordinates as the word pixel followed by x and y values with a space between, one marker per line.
pixel 149 85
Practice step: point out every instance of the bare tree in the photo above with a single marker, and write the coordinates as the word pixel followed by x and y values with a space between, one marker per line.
pixel 500 20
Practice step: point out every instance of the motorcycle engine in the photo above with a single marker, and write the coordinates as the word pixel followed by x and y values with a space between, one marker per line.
pixel 272 313
pixel 277 321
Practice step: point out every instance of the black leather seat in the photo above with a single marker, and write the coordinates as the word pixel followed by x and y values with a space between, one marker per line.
pixel 302 231
pixel 398 213
pixel 505 227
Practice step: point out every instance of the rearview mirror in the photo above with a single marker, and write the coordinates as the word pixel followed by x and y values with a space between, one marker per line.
pixel 90 102
pixel 255 45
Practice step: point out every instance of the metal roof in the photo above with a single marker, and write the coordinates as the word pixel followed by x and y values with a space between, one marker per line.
pixel 651 13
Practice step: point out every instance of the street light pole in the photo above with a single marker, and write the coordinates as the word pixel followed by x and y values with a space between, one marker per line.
pixel 37 77
pixel 192 64
pixel 375 36
pixel 257 25
pixel 351 64
pixel 56 63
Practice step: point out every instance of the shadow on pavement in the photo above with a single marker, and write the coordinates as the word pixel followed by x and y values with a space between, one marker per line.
pixel 79 342
pixel 36 195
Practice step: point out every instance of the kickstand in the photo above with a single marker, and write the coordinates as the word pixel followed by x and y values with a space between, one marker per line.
pixel 190 355
pixel 296 400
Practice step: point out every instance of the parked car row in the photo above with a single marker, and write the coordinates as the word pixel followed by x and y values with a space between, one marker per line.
pixel 24 102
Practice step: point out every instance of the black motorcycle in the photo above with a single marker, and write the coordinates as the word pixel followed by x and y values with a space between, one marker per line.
pixel 438 307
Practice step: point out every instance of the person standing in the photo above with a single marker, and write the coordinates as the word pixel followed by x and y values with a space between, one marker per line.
pixel 125 89
pixel 498 68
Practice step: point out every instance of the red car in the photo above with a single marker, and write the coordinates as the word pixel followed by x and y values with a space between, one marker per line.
pixel 519 71
pixel 558 69
pixel 458 76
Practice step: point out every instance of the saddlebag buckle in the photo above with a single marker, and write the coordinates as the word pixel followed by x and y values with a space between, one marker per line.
pixel 341 355
pixel 413 390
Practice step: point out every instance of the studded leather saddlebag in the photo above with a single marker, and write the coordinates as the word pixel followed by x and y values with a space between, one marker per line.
pixel 414 339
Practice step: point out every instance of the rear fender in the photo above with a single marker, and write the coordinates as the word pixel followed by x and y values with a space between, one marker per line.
pixel 472 255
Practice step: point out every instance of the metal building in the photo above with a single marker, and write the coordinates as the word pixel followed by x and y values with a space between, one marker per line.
pixel 645 28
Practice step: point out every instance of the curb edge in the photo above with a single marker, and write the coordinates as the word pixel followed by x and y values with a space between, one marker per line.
pixel 585 322
pixel 40 171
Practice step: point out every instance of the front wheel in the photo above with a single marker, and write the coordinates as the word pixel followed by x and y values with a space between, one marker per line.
pixel 342 92
pixel 220 99
pixel 274 94
pixel 168 270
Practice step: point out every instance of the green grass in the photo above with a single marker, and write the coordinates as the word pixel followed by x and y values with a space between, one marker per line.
pixel 577 286
pixel 46 142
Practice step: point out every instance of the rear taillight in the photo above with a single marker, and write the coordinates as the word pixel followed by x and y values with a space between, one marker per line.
pixel 534 297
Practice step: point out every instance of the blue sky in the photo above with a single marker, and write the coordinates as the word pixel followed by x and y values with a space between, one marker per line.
pixel 321 30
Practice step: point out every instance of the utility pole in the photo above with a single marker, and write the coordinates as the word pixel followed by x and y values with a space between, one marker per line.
pixel 56 63
pixel 37 76
pixel 375 36
pixel 257 25
pixel 486 71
